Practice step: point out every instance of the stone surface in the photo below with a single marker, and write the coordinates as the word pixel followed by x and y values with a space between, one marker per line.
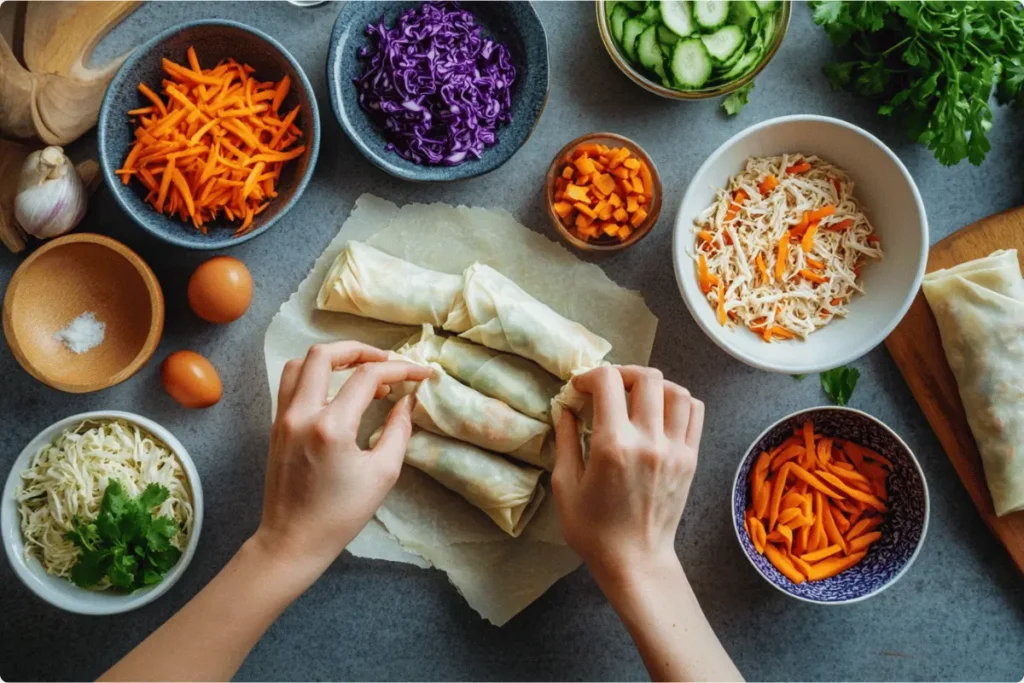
pixel 957 615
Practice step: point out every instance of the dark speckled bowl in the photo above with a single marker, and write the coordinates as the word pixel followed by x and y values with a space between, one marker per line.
pixel 906 521
pixel 515 24
pixel 213 40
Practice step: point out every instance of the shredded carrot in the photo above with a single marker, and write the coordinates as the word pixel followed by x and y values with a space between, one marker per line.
pixel 801 167
pixel 769 183
pixel 780 260
pixel 810 511
pixel 807 241
pixel 215 140
pixel 721 304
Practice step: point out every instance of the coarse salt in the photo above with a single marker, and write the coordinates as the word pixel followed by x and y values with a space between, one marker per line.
pixel 83 333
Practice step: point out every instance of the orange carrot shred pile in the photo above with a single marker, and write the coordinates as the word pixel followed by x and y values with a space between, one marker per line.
pixel 214 145
pixel 815 504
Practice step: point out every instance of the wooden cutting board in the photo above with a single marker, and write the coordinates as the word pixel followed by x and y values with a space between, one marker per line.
pixel 917 350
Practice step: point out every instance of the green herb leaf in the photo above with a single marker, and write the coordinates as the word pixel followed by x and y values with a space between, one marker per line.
pixel 154 495
pixel 165 559
pixel 734 103
pixel 91 567
pixel 839 383
pixel 160 532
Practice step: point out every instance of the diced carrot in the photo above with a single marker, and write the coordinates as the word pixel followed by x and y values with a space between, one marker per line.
pixel 769 183
pixel 585 209
pixel 647 179
pixel 604 210
pixel 605 183
pixel 632 164
pixel 583 220
pixel 577 193
pixel 584 165
pixel 563 209
pixel 567 172
pixel 639 216
pixel 631 204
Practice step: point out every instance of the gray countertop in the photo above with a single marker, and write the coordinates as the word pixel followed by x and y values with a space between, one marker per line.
pixel 958 614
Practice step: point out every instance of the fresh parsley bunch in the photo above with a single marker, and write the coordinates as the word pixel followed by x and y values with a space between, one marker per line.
pixel 932 64
pixel 125 543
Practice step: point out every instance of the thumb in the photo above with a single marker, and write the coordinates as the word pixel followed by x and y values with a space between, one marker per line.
pixel 389 450
pixel 565 477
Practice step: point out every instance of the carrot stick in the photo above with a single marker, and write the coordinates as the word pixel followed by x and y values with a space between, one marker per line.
pixel 864 540
pixel 818 555
pixel 721 304
pixel 782 563
pixel 833 565
pixel 823 212
pixel 783 254
pixel 807 241
pixel 165 185
pixel 777 489
pixel 862 527
pixel 154 98
pixel 831 530
pixel 812 276
pixel 281 92
pixel 785 456
pixel 186 194
pixel 865 498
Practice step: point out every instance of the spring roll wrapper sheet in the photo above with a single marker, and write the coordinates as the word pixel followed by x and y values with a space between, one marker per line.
pixel 421 522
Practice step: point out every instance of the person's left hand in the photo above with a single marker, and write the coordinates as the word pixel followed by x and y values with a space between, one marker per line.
pixel 321 488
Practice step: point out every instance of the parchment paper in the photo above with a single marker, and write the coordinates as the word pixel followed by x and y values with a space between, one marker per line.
pixel 421 522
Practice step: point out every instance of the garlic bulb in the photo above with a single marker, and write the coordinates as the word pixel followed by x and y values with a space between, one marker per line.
pixel 51 198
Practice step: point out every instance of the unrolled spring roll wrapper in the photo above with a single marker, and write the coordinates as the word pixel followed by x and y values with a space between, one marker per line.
pixel 420 522
pixel 522 384
pixel 367 282
pixel 494 311
pixel 979 307
pixel 507 493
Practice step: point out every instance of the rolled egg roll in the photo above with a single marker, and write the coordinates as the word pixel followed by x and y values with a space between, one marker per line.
pixel 492 310
pixel 979 308
pixel 367 282
pixel 508 493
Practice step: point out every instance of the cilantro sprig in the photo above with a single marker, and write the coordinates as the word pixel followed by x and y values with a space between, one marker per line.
pixel 932 65
pixel 125 543
pixel 839 383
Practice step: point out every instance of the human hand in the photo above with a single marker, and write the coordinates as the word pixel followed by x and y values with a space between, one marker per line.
pixel 321 488
pixel 621 511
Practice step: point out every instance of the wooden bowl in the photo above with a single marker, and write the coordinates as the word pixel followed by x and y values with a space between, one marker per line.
pixel 72 275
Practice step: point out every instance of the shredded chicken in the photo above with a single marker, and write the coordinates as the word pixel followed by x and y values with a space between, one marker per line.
pixel 797 207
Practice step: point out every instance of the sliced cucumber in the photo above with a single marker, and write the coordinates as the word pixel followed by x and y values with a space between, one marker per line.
pixel 767 6
pixel 636 5
pixel 618 17
pixel 631 30
pixel 724 42
pixel 678 17
pixel 651 15
pixel 743 13
pixel 727 64
pixel 647 50
pixel 710 14
pixel 747 61
pixel 666 50
pixel 666 36
pixel 768 28
pixel 691 64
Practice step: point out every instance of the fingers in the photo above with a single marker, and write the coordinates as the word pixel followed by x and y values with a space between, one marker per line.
pixel 389 451
pixel 568 455
pixel 286 389
pixel 314 378
pixel 347 408
pixel 678 408
pixel 696 426
pixel 605 385
pixel 646 389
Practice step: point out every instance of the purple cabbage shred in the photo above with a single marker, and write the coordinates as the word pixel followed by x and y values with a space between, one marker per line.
pixel 436 85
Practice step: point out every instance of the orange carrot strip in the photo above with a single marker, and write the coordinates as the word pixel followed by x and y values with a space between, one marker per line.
pixel 833 565
pixel 831 530
pixel 818 555
pixel 865 498
pixel 783 254
pixel 813 481
pixel 154 98
pixel 807 241
pixel 182 187
pixel 777 490
pixel 863 526
pixel 782 563
pixel 281 92
pixel 864 540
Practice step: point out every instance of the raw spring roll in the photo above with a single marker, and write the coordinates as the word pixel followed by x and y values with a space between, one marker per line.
pixel 979 307
pixel 367 282
pixel 494 311
pixel 508 493
pixel 522 384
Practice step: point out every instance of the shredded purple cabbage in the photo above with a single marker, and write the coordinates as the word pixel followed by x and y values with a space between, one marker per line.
pixel 436 85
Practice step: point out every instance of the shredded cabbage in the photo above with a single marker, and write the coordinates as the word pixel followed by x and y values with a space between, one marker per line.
pixel 67 478
pixel 436 85
pixel 740 245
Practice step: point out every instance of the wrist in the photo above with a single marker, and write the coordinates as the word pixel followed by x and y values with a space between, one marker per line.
pixel 292 572
pixel 626 581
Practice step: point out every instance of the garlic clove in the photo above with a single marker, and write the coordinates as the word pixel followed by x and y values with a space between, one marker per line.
pixel 51 197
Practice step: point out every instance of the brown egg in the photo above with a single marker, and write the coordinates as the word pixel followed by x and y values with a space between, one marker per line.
pixel 220 290
pixel 191 380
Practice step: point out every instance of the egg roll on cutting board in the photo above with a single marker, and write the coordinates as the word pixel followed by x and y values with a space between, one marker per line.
pixel 979 308
pixel 506 492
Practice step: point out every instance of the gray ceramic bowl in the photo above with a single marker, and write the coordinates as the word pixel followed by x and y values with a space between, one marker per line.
pixel 515 24
pixel 213 41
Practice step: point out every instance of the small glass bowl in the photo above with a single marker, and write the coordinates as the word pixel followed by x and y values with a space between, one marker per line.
pixel 644 82
pixel 563 156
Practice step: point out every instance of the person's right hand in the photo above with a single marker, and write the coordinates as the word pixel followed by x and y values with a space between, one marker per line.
pixel 321 487
pixel 621 510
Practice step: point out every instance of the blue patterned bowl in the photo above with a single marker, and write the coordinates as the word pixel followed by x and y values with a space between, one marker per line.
pixel 515 24
pixel 906 521
pixel 214 40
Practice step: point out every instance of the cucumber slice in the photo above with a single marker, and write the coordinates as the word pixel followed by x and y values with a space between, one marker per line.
pixel 767 6
pixel 724 42
pixel 746 63
pixel 728 64
pixel 768 28
pixel 631 30
pixel 666 50
pixel 710 14
pixel 618 17
pixel 678 17
pixel 743 13
pixel 691 64
pixel 636 5
pixel 648 51
pixel 651 15
pixel 667 36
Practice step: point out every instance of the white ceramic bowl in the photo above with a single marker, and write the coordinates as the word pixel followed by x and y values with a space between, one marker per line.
pixel 61 592
pixel 892 202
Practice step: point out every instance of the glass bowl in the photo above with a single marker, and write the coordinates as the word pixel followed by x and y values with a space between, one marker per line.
pixel 612 140
pixel 644 82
